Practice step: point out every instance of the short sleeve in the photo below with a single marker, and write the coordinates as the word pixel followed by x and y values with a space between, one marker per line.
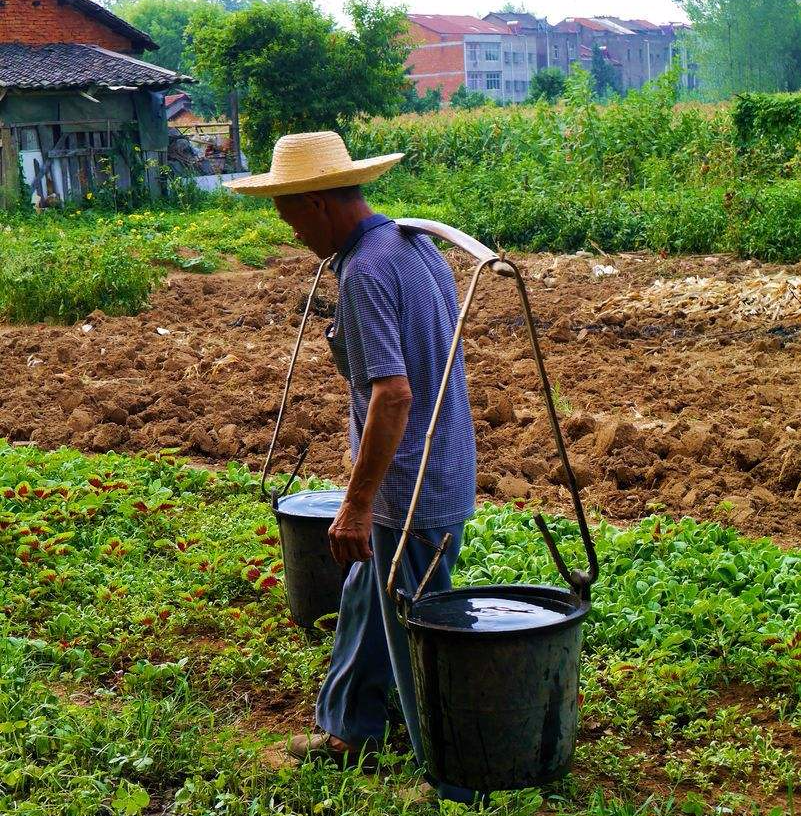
pixel 371 316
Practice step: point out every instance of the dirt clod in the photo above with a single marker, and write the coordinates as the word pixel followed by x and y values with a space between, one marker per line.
pixel 512 487
pixel 578 425
pixel 80 421
pixel 582 471
pixel 108 437
pixel 747 453
pixel 612 435
pixel 114 413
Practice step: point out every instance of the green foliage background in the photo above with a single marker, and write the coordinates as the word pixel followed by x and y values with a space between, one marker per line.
pixel 297 70
pixel 167 22
pixel 745 45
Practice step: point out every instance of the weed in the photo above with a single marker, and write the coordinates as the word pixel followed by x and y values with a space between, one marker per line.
pixel 560 401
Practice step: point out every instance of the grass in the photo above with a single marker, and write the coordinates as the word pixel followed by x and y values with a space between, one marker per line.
pixel 58 267
pixel 146 654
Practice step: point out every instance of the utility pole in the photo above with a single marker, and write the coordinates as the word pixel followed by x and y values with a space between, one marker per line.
pixel 233 102
pixel 547 47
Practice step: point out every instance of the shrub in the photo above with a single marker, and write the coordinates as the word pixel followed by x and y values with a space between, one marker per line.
pixel 759 115
pixel 462 98
pixel 61 276
pixel 548 84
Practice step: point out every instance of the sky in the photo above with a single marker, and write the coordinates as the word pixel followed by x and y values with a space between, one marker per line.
pixel 657 11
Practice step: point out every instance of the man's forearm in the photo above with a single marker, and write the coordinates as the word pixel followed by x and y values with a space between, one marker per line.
pixel 383 431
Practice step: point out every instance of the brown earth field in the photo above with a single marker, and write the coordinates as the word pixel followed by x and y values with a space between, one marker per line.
pixel 688 402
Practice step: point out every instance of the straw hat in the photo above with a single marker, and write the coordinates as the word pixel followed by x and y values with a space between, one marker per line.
pixel 306 162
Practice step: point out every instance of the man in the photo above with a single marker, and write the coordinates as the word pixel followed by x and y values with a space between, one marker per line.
pixel 394 323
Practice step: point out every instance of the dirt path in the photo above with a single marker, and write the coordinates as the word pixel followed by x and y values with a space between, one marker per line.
pixel 690 402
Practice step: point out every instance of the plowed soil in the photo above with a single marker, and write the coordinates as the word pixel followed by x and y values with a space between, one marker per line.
pixel 694 411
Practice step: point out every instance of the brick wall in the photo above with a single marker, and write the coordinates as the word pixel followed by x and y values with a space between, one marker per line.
pixel 37 22
pixel 437 62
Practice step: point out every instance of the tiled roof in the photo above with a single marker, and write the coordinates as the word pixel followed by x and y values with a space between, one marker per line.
pixel 69 65
pixel 456 24
pixel 640 25
pixel 524 19
pixel 140 39
pixel 170 98
pixel 571 25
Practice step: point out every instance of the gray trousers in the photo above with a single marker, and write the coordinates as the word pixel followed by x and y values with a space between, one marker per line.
pixel 371 652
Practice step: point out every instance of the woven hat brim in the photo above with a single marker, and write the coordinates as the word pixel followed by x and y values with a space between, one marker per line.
pixel 361 172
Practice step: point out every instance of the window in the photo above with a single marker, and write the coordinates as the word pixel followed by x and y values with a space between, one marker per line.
pixel 570 49
pixel 556 52
pixel 472 51
pixel 517 58
pixel 641 55
pixel 474 80
pixel 28 139
pixel 507 57
pixel 508 86
pixel 492 52
pixel 520 85
pixel 628 54
pixel 493 81
pixel 531 58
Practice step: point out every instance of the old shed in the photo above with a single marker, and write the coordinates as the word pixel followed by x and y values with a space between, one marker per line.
pixel 78 108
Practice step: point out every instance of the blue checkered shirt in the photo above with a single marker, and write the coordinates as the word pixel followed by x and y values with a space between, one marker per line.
pixel 396 314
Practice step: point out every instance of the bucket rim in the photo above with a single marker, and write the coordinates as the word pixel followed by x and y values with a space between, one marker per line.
pixel 572 619
pixel 278 511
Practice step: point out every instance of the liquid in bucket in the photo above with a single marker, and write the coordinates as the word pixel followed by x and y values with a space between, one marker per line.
pixel 487 614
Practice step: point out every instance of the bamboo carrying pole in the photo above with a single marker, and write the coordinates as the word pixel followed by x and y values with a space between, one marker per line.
pixel 432 426
pixel 280 418
pixel 579 580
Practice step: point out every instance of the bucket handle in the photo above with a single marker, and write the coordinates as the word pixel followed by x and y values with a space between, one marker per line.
pixel 579 580
pixel 275 494
pixel 280 418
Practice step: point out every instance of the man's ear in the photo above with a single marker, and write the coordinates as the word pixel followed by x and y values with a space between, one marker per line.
pixel 317 202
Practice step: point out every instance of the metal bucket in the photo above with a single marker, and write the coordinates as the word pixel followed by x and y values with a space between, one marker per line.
pixel 496 672
pixel 313 579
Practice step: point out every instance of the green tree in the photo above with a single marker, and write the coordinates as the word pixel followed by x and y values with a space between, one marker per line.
pixel 167 22
pixel 430 101
pixel 297 70
pixel 603 73
pixel 745 45
pixel 548 84
pixel 462 98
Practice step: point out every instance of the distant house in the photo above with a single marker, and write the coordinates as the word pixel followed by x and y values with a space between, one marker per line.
pixel 500 54
pixel 639 50
pixel 453 50
pixel 77 105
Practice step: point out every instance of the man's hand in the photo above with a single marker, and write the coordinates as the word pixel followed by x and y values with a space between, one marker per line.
pixel 350 534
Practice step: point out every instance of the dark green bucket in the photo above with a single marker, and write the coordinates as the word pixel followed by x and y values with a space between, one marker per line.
pixel 312 578
pixel 496 672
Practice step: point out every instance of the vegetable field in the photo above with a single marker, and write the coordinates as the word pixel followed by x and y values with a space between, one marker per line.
pixel 148 664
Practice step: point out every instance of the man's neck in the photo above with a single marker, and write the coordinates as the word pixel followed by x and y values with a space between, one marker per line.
pixel 348 220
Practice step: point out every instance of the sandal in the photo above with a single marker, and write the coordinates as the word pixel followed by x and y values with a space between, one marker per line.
pixel 312 747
